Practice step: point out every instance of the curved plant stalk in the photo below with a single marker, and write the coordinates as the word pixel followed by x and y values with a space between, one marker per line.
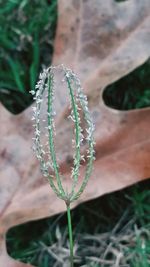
pixel 49 164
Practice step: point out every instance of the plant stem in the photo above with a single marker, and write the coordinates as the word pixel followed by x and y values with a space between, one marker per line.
pixel 70 235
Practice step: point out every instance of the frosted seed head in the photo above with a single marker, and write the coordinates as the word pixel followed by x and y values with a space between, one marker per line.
pixel 44 95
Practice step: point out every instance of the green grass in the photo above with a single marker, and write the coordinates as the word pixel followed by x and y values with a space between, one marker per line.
pixel 26 35
pixel 107 227
pixel 130 92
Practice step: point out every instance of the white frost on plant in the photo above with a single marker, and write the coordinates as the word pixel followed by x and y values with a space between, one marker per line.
pixel 78 102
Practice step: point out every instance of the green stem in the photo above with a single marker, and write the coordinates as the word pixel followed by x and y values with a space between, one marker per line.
pixel 70 235
pixel 77 134
pixel 50 131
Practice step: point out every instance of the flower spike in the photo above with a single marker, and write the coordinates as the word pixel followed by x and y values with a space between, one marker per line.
pixel 47 156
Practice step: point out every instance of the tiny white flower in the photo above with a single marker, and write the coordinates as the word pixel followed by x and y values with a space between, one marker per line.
pixel 32 92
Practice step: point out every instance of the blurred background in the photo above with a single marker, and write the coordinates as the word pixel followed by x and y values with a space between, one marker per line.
pixel 113 230
pixel 26 36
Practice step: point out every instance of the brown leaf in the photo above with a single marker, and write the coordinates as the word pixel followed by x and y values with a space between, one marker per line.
pixel 102 42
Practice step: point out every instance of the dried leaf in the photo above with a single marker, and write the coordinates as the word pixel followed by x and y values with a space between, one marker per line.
pixel 102 42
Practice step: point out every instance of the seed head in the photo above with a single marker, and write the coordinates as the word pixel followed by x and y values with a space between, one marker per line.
pixel 45 153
